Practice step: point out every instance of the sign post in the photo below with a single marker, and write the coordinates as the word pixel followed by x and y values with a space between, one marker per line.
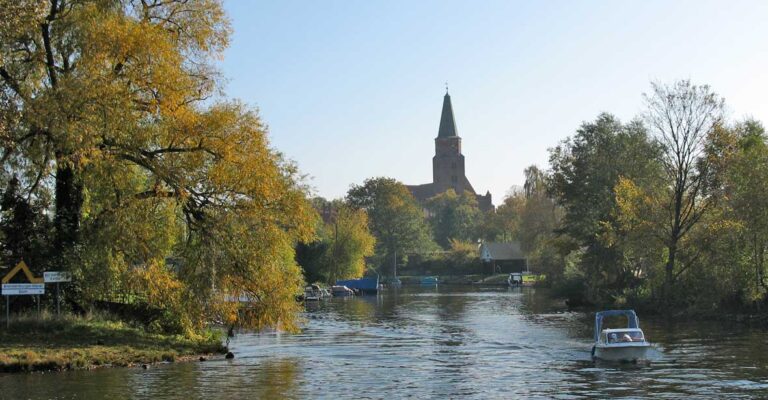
pixel 20 289
pixel 57 277
pixel 36 286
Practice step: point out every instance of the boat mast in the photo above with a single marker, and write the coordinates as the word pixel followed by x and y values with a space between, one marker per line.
pixel 395 264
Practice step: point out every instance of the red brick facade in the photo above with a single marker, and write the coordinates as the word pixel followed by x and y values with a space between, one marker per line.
pixel 448 170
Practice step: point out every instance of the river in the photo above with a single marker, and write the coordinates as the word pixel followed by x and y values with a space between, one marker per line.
pixel 438 342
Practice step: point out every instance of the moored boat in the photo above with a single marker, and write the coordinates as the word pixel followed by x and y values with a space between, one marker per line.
pixel 341 291
pixel 315 293
pixel 362 285
pixel 623 344
pixel 394 282
pixel 428 280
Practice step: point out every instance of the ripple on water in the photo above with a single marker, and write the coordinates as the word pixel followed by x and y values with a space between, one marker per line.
pixel 437 342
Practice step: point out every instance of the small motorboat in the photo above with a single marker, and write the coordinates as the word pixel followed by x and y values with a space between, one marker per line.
pixel 394 283
pixel 515 279
pixel 623 344
pixel 315 293
pixel 341 291
pixel 428 281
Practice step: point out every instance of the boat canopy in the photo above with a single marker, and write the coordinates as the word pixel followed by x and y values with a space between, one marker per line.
pixel 632 321
pixel 368 285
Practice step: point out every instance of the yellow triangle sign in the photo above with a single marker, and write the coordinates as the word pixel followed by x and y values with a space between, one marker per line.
pixel 21 266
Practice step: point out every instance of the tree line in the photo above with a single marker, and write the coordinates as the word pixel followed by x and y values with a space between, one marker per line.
pixel 668 209
pixel 665 210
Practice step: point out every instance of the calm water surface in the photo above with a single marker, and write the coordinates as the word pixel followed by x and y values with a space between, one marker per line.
pixel 438 342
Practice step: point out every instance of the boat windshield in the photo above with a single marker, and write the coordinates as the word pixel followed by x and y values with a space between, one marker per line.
pixel 624 336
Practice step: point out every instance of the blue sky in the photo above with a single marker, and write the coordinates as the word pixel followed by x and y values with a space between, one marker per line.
pixel 353 89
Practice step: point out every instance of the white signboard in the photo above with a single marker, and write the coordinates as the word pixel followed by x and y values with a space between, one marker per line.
pixel 57 276
pixel 14 289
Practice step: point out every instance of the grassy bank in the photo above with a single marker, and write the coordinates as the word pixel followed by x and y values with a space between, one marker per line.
pixel 45 343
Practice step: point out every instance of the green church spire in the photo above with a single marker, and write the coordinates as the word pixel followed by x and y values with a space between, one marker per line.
pixel 447 123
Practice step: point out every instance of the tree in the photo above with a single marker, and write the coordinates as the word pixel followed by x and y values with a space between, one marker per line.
pixel 24 229
pixel 109 105
pixel 503 223
pixel 343 245
pixel 395 219
pixel 540 216
pixel 744 177
pixel 453 216
pixel 681 116
pixel 585 171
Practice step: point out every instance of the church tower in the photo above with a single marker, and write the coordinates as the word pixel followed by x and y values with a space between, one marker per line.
pixel 448 162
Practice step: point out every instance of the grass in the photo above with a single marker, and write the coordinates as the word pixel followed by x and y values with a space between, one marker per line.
pixel 45 343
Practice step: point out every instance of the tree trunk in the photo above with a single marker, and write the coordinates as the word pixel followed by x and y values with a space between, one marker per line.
pixel 69 202
pixel 669 273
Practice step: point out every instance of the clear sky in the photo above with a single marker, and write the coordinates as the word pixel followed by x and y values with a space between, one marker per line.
pixel 353 89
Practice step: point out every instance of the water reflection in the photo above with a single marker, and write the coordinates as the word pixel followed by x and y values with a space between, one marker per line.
pixel 439 342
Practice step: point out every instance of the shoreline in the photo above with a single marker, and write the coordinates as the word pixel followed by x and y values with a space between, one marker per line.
pixel 48 344
pixel 40 363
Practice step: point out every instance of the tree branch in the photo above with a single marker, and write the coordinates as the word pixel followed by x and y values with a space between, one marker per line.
pixel 45 27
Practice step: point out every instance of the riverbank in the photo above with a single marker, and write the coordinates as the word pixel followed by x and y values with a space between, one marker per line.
pixel 477 279
pixel 46 343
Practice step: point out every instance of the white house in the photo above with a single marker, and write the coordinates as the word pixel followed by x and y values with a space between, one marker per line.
pixel 504 257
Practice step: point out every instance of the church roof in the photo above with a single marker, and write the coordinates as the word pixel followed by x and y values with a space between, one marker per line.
pixel 422 192
pixel 447 123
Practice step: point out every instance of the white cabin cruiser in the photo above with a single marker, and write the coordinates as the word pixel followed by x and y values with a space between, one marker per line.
pixel 624 344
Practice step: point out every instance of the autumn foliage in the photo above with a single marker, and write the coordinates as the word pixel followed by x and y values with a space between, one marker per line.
pixel 160 190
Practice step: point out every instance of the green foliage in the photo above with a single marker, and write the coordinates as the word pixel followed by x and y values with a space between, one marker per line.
pixel 343 245
pixel 24 228
pixel 503 223
pixel 740 154
pixel 395 219
pixel 681 220
pixel 585 170
pixel 462 252
pixel 682 116
pixel 453 216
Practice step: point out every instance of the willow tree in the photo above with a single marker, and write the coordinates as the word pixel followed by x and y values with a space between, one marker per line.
pixel 344 242
pixel 111 106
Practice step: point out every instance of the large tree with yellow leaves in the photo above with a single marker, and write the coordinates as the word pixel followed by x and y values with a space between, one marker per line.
pixel 113 109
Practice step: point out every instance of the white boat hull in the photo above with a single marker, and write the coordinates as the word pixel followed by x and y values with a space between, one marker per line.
pixel 625 352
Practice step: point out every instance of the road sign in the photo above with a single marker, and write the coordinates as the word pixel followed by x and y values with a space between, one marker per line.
pixel 21 267
pixel 57 276
pixel 14 289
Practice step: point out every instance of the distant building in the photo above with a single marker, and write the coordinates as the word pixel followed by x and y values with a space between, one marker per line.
pixel 448 164
pixel 503 257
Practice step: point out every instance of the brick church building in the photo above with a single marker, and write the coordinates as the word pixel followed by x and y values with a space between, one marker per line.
pixel 448 164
